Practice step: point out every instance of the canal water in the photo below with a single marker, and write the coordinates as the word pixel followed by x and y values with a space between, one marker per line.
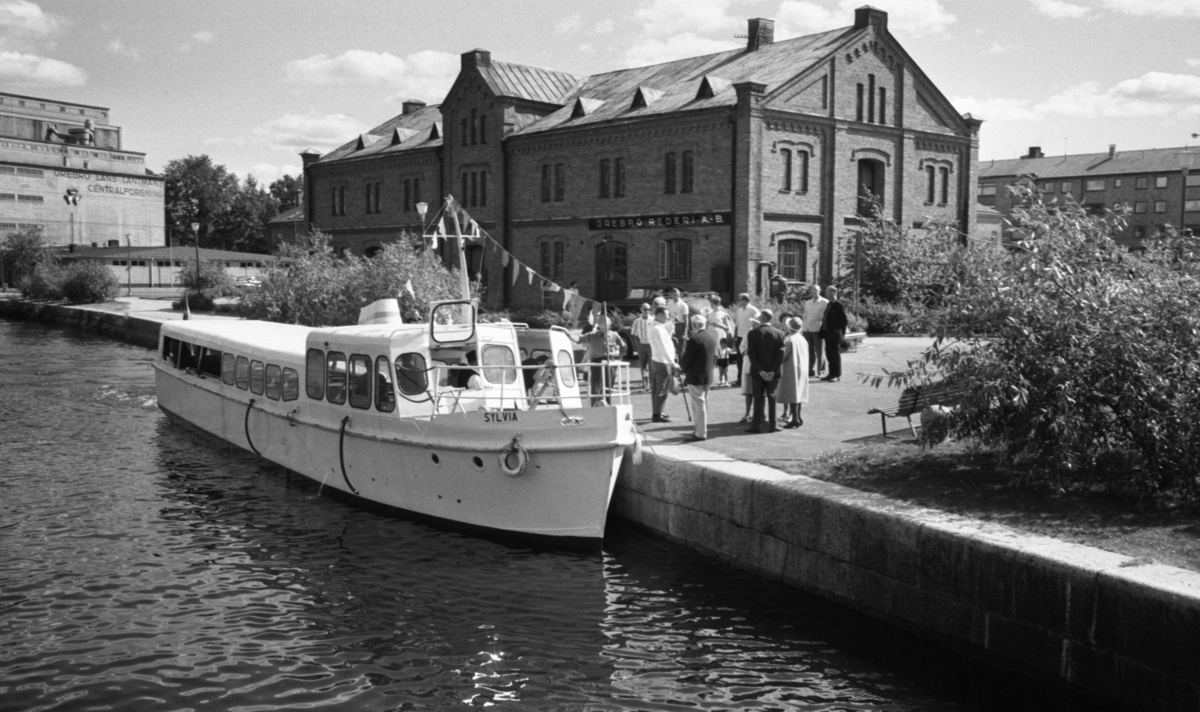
pixel 146 567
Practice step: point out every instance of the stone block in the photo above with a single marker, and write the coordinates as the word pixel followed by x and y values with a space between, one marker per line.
pixel 1150 614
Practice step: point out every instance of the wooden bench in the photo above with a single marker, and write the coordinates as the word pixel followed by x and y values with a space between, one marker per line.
pixel 914 400
pixel 851 341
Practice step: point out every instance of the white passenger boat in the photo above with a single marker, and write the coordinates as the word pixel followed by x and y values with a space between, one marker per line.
pixel 434 419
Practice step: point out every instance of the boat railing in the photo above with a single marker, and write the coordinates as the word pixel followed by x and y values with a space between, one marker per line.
pixel 579 385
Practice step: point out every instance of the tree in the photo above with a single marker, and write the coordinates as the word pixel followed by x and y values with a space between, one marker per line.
pixel 243 227
pixel 197 190
pixel 25 251
pixel 287 191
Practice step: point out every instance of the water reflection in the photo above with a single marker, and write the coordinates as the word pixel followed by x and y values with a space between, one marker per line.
pixel 148 567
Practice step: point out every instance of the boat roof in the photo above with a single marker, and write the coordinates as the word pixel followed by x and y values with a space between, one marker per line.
pixel 270 340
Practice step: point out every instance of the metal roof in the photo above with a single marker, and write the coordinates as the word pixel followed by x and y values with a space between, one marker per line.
pixel 532 83
pixel 166 253
pixel 420 122
pixel 1154 160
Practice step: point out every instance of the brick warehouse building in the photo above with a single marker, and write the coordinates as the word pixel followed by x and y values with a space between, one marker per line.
pixel 709 173
pixel 1152 188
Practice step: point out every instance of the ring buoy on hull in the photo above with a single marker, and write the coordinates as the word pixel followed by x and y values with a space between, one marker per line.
pixel 514 458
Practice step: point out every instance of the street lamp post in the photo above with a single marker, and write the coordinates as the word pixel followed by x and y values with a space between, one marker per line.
pixel 196 233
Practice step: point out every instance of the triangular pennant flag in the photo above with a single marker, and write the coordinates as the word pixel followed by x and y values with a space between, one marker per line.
pixel 555 288
pixel 504 258
pixel 441 228
pixel 409 288
pixel 474 230
pixel 516 271
pixel 433 240
pixel 530 271
pixel 567 294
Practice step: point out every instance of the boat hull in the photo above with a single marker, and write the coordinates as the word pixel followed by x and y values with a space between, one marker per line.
pixel 448 468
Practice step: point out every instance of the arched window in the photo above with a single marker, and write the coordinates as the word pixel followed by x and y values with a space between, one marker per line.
pixel 945 176
pixel 930 185
pixel 785 156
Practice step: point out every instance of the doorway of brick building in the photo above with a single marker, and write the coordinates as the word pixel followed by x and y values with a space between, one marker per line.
pixel 612 271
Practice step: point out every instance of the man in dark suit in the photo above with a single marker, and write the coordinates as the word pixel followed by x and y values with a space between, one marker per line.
pixel 696 363
pixel 833 330
pixel 765 350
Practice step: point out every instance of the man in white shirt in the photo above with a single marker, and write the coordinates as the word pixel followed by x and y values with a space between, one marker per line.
pixel 662 362
pixel 641 337
pixel 742 328
pixel 679 312
pixel 814 314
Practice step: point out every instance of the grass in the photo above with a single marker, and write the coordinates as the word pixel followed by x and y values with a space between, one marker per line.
pixel 968 481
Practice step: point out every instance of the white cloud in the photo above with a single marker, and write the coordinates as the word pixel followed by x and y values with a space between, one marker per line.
pixel 1155 8
pixel 204 36
pixel 604 27
pixel 998 48
pixel 19 18
pixel 268 173
pixel 1193 62
pixel 32 70
pixel 120 49
pixel 996 109
pixel 906 18
pixel 428 73
pixel 292 132
pixel 655 51
pixel 1058 8
pixel 568 24
pixel 662 17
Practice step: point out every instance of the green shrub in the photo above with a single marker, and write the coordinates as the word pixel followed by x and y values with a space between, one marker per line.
pixel 883 318
pixel 535 318
pixel 1075 353
pixel 89 282
pixel 44 282
pixel 318 288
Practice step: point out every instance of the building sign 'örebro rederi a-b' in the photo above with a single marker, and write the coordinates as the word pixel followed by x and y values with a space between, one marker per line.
pixel 643 222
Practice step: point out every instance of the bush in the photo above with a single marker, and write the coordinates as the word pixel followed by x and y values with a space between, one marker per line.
pixel 535 318
pixel 319 288
pixel 44 282
pixel 1076 353
pixel 212 282
pixel 89 282
pixel 883 318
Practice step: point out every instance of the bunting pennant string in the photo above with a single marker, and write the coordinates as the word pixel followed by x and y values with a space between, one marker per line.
pixel 516 271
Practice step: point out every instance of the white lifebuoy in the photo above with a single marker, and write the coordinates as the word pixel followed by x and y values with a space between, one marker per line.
pixel 514 452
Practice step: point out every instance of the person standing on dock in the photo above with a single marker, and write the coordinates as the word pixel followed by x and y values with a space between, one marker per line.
pixel 814 314
pixel 662 362
pixel 696 363
pixel 746 313
pixel 833 330
pixel 765 349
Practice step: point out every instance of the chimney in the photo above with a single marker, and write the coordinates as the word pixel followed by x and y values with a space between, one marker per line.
pixel 308 156
pixel 1034 152
pixel 868 16
pixel 762 32
pixel 412 105
pixel 1112 150
pixel 476 58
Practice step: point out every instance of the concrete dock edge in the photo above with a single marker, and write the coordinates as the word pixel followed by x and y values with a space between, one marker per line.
pixel 1100 623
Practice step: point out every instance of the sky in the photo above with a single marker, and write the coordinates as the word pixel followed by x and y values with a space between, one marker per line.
pixel 252 83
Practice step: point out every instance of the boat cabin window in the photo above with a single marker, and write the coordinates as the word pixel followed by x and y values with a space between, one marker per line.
pixel 170 351
pixel 360 381
pixel 242 373
pixel 227 369
pixel 314 374
pixel 495 357
pixel 385 397
pixel 256 377
pixel 274 382
pixel 567 370
pixel 410 374
pixel 335 377
pixel 291 384
pixel 210 362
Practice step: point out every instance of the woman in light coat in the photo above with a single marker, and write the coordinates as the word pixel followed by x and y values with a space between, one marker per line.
pixel 792 392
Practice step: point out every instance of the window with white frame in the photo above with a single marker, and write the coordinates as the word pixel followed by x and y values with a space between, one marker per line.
pixel 1094 185
pixel 984 188
pixel 1065 186
pixel 1139 207
pixel 793 255
pixel 1160 181
pixel 1191 206
pixel 1160 206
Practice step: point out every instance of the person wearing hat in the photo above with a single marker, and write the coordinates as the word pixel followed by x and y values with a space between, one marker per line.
pixel 765 351
pixel 696 363
pixel 793 380
pixel 741 329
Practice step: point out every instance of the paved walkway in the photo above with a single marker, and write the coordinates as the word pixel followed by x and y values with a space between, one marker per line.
pixel 834 419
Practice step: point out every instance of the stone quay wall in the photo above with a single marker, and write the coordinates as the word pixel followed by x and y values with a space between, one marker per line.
pixel 1102 624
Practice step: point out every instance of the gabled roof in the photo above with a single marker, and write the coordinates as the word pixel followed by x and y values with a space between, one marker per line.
pixel 290 215
pixel 417 129
pixel 532 83
pixel 680 81
pixel 1153 160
